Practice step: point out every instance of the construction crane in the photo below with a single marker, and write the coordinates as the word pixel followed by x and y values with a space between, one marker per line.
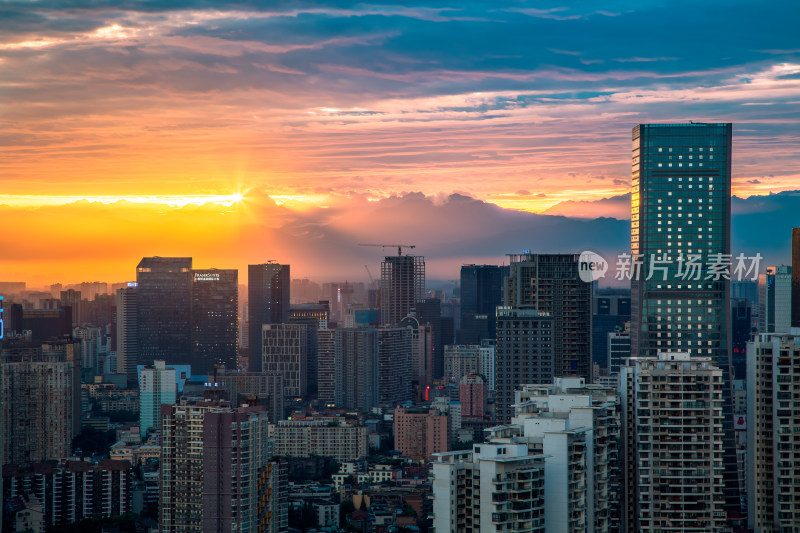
pixel 398 246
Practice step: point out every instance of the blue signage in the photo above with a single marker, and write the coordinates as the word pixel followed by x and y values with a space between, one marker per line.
pixel 1 318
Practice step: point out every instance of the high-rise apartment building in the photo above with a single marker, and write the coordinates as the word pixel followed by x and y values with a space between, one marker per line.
pixel 69 491
pixel 486 362
pixel 355 368
pixel 216 470
pixel 618 348
pixel 577 428
pixel 402 284
pixel 236 453
pixel 461 360
pixel 775 300
pixel 494 487
pixel 164 295
pixel 773 432
pixel 680 234
pixel 419 433
pixel 524 354
pixel 157 387
pixel 126 334
pixel 481 294
pixel 326 366
pixel 394 366
pixel 39 411
pixel 472 396
pixel 550 283
pixel 673 444
pixel 268 287
pixel 214 316
pixel 285 352
pixel 321 438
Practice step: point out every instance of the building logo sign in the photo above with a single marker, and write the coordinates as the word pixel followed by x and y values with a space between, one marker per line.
pixel 591 267
pixel 206 276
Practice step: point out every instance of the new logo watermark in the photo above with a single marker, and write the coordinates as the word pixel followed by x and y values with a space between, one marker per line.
pixel 591 266
pixel 663 267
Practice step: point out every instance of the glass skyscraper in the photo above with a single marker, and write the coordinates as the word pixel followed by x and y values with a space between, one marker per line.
pixel 164 294
pixel 215 319
pixel 680 229
pixel 268 287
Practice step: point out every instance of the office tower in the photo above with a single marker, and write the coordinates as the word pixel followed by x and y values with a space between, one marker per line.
pixel 673 443
pixel 421 356
pixel 775 300
pixel 494 487
pixel 326 366
pixel 618 348
pixel 481 294
pixel 428 311
pixel 164 295
pixel 741 331
pixel 127 343
pixel 681 207
pixel 250 388
pixel 394 366
pixel 577 429
pixel 472 395
pixel 773 426
pixel 796 277
pixel 460 360
pixel 346 441
pixel 311 324
pixel 419 433
pixel 214 319
pixel 68 491
pixel 157 386
pixel 268 303
pixel 214 461
pixel 402 284
pixel 356 368
pixel 285 352
pixel 236 453
pixel 550 283
pixel 39 412
pixel 524 354
pixel 611 309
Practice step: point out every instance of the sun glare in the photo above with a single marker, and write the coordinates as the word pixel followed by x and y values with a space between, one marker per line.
pixel 178 200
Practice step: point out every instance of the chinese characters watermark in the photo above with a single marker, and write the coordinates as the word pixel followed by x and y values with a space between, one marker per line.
pixel 662 267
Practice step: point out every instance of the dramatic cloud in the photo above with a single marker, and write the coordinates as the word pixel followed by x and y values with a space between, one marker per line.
pixel 67 242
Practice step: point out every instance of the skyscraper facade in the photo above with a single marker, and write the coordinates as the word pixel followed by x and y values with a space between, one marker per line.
pixel 214 315
pixel 285 352
pixel 673 444
pixel 481 293
pixel 796 277
pixel 355 367
pixel 773 426
pixel 775 300
pixel 164 294
pixel 551 284
pixel 268 302
pixel 157 387
pixel 680 215
pixel 402 284
pixel 126 334
pixel 524 354
pixel 394 366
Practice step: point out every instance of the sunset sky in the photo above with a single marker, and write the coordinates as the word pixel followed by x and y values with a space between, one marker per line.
pixel 236 133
